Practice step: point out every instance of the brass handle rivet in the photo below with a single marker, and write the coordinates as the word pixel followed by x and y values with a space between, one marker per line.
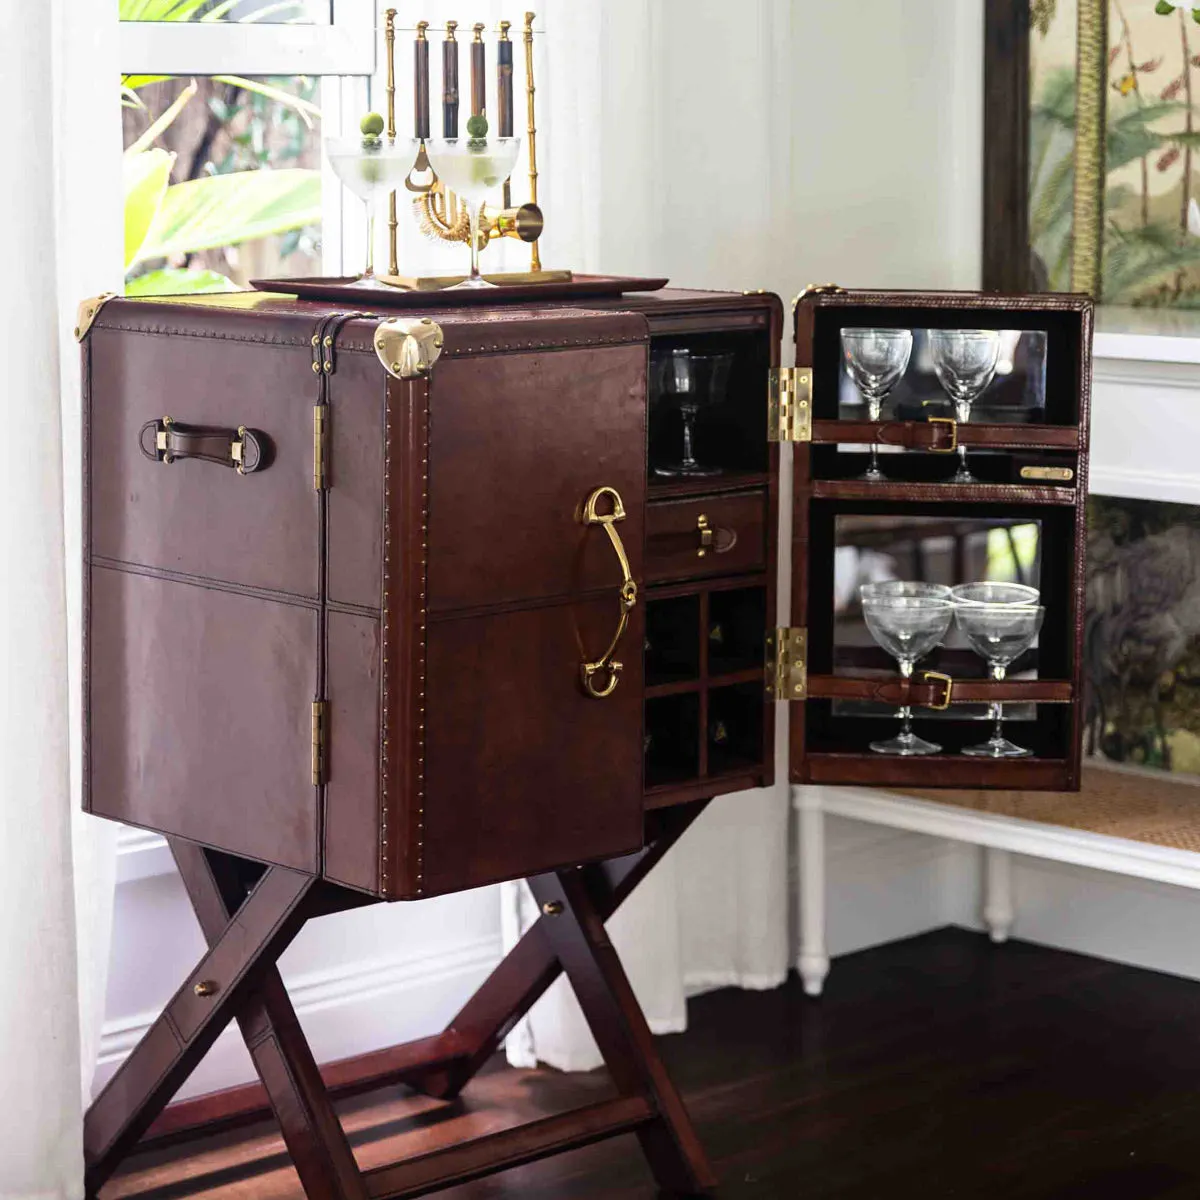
pixel 553 908
pixel 206 987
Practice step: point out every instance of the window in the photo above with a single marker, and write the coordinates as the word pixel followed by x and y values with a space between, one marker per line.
pixel 223 105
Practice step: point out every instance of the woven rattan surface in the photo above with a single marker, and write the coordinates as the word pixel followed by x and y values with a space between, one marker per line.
pixel 1142 806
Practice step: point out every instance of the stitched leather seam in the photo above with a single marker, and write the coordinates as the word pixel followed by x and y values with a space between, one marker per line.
pixel 214 585
pixel 368 348
pixel 385 642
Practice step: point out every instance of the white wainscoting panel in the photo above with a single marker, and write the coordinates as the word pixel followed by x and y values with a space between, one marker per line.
pixel 359 980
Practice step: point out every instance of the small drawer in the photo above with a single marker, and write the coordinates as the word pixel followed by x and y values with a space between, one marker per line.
pixel 713 535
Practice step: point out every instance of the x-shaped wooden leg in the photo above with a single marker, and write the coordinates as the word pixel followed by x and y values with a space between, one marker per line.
pixel 213 993
pixel 570 937
pixel 282 1057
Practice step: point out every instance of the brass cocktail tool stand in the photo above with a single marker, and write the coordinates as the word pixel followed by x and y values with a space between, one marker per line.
pixel 437 210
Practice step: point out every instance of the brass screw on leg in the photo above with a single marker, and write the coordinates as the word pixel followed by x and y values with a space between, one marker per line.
pixel 552 908
pixel 206 987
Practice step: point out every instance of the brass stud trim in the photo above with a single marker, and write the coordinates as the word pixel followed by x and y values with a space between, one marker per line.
pixel 206 988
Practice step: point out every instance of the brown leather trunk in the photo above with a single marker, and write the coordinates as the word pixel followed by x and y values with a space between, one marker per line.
pixel 436 595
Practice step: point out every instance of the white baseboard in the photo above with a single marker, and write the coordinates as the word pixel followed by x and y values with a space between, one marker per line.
pixel 342 1011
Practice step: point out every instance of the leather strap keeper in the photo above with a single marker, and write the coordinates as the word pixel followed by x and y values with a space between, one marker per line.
pixel 937 691
pixel 164 440
pixel 942 436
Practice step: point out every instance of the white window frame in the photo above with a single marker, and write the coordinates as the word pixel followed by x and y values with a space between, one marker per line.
pixel 345 46
pixel 343 53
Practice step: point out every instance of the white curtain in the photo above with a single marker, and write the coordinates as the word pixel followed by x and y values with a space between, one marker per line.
pixel 61 211
pixel 668 153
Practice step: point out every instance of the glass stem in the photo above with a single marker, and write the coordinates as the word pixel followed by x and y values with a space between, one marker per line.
pixel 874 408
pixel 473 214
pixel 369 273
pixel 689 415
pixel 905 713
pixel 962 412
pixel 998 672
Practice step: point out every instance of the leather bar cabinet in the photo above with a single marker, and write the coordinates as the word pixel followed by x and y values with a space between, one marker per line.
pixel 385 606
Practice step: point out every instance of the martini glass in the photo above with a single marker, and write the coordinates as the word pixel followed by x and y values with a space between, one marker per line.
pixel 965 363
pixel 875 360
pixel 1000 634
pixel 370 171
pixel 908 628
pixel 472 167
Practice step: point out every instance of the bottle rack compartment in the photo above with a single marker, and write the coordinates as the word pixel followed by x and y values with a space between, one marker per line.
pixel 706 704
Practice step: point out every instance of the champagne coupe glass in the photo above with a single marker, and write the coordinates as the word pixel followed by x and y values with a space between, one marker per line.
pixel 1000 634
pixel 695 381
pixel 965 363
pixel 471 167
pixel 370 169
pixel 904 587
pixel 994 593
pixel 908 628
pixel 875 361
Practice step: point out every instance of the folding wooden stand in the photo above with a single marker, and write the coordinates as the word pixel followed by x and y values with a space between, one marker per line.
pixel 250 915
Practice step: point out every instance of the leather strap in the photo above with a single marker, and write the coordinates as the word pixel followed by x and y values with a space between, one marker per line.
pixel 921 692
pixel 940 435
pixel 164 440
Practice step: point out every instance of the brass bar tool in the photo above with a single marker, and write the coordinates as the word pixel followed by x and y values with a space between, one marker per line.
pixel 450 82
pixel 535 254
pixel 504 94
pixel 421 121
pixel 389 33
pixel 478 74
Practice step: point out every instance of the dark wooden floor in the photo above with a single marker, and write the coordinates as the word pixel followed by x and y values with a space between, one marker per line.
pixel 933 1068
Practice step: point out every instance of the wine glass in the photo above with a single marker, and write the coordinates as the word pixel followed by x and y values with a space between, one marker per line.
pixel 964 361
pixel 908 628
pixel 875 361
pixel 1000 634
pixel 370 168
pixel 994 593
pixel 471 167
pixel 694 380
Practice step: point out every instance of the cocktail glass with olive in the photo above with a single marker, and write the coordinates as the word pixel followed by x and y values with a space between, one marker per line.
pixel 371 166
pixel 471 167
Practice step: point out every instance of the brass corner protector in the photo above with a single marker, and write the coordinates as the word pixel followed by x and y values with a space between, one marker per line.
pixel 88 311
pixel 408 348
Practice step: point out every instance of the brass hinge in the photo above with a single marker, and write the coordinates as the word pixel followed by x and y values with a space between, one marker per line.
pixel 320 735
pixel 320 453
pixel 787 664
pixel 789 404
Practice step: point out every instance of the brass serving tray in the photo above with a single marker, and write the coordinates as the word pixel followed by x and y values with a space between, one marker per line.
pixel 350 290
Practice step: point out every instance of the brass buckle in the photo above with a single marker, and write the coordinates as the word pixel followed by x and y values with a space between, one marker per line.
pixel 928 675
pixel 950 449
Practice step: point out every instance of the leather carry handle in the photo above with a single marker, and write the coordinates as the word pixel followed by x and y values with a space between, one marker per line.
pixel 164 440
pixel 606 668
pixel 937 691
pixel 942 435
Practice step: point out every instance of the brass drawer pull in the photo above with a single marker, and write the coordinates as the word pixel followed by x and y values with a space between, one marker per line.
pixel 718 541
pixel 606 668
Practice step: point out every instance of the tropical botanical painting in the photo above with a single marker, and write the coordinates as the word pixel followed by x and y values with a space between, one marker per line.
pixel 222 174
pixel 1149 244
pixel 1142 633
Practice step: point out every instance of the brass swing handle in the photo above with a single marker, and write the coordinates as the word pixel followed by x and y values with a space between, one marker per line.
pixel 165 440
pixel 606 668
